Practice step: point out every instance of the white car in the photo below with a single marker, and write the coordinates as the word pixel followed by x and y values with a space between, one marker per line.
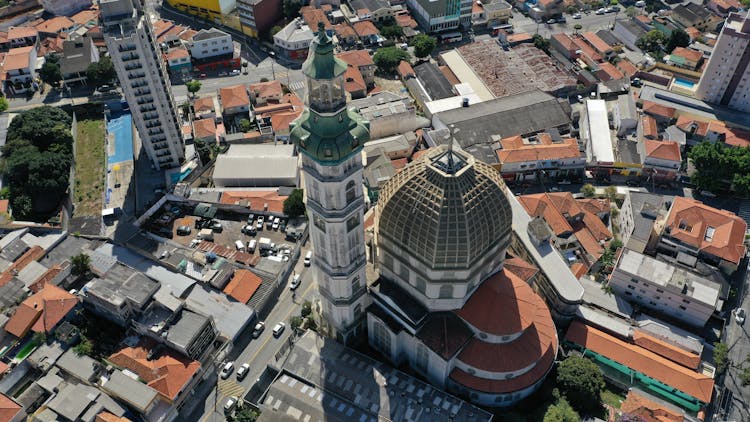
pixel 739 316
pixel 230 404
pixel 296 280
pixel 577 16
pixel 235 72
pixel 278 329
pixel 601 11
pixel 226 370
pixel 242 372
pixel 275 224
pixel 259 223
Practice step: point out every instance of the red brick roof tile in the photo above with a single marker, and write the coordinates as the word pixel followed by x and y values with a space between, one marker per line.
pixel 243 285
pixel 663 150
pixel 41 312
pixel 667 350
pixel 648 410
pixel 8 408
pixel 234 96
pixel 514 150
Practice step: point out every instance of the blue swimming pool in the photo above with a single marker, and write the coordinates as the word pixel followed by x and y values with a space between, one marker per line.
pixel 684 83
pixel 121 125
pixel 179 177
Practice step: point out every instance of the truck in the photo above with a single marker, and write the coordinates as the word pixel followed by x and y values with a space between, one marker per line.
pixel 265 244
pixel 206 234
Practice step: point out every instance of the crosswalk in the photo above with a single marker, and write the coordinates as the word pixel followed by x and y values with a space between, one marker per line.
pixel 231 388
pixel 280 76
pixel 294 86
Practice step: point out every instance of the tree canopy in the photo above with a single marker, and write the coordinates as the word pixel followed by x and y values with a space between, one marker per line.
pixel 80 264
pixel 423 45
pixel 718 166
pixel 294 204
pixel 652 42
pixel 541 43
pixel 36 160
pixel 3 104
pixel 388 58
pixel 678 38
pixel 101 72
pixel 721 356
pixel 581 381
pixel 290 9
pixel 392 31
pixel 193 86
pixel 50 73
pixel 561 412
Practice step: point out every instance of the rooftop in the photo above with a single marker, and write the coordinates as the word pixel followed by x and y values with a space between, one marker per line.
pixel 234 96
pixel 41 312
pixel 230 317
pixel 243 285
pixel 537 148
pixel 663 150
pixel 433 80
pixel 80 366
pixel 185 328
pixel 18 58
pixel 138 395
pixel 636 403
pixel 8 408
pixel 207 34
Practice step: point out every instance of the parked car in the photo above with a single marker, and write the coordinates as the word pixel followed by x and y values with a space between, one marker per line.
pixel 278 329
pixel 296 280
pixel 577 16
pixel 230 404
pixel 242 372
pixel 249 230
pixel 250 218
pixel 183 230
pixel 275 224
pixel 226 370
pixel 633 182
pixel 739 316
pixel 234 72
pixel 202 76
pixel 259 327
pixel 282 225
pixel 259 223
pixel 707 194
pixel 551 21
pixel 601 11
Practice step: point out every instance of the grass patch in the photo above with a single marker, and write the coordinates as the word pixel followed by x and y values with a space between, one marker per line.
pixel 90 171
pixel 612 398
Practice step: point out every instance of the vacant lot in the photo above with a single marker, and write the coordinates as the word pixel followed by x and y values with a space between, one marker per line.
pixel 89 181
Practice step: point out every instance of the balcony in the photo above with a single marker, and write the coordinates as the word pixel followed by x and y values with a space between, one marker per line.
pixel 136 75
pixel 129 57
pixel 143 91
pixel 147 100
pixel 125 48
pixel 158 146
pixel 150 125
pixel 134 66
pixel 138 85
pixel 148 108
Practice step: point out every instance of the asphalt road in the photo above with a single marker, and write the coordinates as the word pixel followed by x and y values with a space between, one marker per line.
pixel 738 340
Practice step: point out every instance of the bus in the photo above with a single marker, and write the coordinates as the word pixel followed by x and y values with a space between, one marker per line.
pixel 451 37
pixel 508 28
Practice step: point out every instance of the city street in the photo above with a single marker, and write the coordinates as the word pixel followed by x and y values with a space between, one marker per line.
pixel 211 394
pixel 589 22
pixel 736 401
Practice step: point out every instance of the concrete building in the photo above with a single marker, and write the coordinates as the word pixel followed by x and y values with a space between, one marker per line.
pixel 207 9
pixel 638 216
pixel 257 165
pixel 210 43
pixel 660 157
pixel 540 156
pixel 19 65
pixel 330 138
pixel 441 15
pixel 64 7
pixel 258 16
pixel 629 31
pixel 374 10
pixel 725 76
pixel 389 114
pixel 144 80
pixel 595 133
pixel 625 114
pixel 696 16
pixel 666 288
pixel 78 54
pixel 293 41
pixel 443 301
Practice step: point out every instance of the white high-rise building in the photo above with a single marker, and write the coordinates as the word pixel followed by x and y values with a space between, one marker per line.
pixel 726 79
pixel 330 138
pixel 144 81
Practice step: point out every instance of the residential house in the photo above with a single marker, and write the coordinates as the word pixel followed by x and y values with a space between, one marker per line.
pixel 314 16
pixel 293 41
pixel 345 34
pixel 211 44
pixel 191 334
pixel 711 130
pixel 641 215
pixel 140 397
pixel 234 100
pixel 204 130
pixel 526 159
pixel 167 372
pixel 205 107
pixel 389 114
pixel 54 26
pixel 243 285
pixel 497 12
pixel 660 157
pixel 178 61
pixel 375 10
pixel 649 129
pixel 563 43
pixel 405 71
pixel 41 312
pixel 78 54
pixel 264 92
pixel 629 31
pixel 695 232
pixel 661 113
pixel 599 45
pixel 22 36
pixel 636 403
pixel 625 114
pixel 367 32
pixel 20 69
pixel 685 58
pixel 695 15
pixel 392 147
pixel 608 72
pixel 121 295
pixel 362 62
pixel 354 83
pixel 547 8
pixel 665 287
pixel 64 7
pixel 10 411
pixel 724 7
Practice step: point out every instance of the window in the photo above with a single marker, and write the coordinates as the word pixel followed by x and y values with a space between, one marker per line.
pixel 685 301
pixel 381 338
pixel 659 291
pixel 631 287
pixel 352 223
pixel 423 358
pixel 421 284
pixel 628 294
pixel 446 291
pixel 355 284
pixel 351 192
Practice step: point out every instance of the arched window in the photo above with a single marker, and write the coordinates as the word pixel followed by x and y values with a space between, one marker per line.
pixel 446 291
pixel 351 192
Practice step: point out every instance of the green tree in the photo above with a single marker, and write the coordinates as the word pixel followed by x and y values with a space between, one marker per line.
pixel 203 150
pixel 294 204
pixel 719 166
pixel 581 381
pixel 21 205
pixel 745 376
pixel 246 415
pixel 561 412
pixel 577 27
pixel 81 264
pixel 571 10
pixel 678 38
pixel 652 42
pixel 39 337
pixel 721 356
pixel 84 347
pixel 631 12
pixel 290 9
pixel 3 104
pixel 423 45
pixel 40 126
pixel 193 86
pixel 392 31
pixel 295 322
pixel 588 190
pixel 275 30
pixel 101 72
pixel 388 58
pixel 306 309
pixel 245 125
pixel 541 43
pixel 611 193
pixel 50 73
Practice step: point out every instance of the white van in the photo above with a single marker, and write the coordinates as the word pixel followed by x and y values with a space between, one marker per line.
pixel 251 245
pixel 240 245
pixel 308 258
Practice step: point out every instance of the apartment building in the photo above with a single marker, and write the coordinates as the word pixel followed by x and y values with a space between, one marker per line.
pixel 665 287
pixel 209 43
pixel 726 77
pixel 144 81
pixel 258 16
pixel 441 15
pixel 20 69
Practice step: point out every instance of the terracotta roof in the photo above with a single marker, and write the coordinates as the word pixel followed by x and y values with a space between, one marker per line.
pixel 667 350
pixel 627 68
pixel 476 7
pixel 177 53
pixel 693 32
pixel 85 16
pixel 22 32
pixel 648 410
pixel 516 151
pixel 41 312
pixel 687 53
pixel 8 408
pixel 32 254
pixel 4 368
pixel 504 290
pixel 449 75
pixel 731 136
pixel 187 34
pixel 579 269
pixel 717 232
pixel 267 89
pixel 520 268
pixel 257 199
pixel 586 49
pixel 642 360
pixel 519 37
pixel 406 21
pixel 353 80
pixel 204 128
pixel 187 129
pixel 168 373
pixel 45 278
pixel 365 28
pixel 234 96
pixel 594 205
pixel 4 204
pixel 272 108
pixel 18 58
pixel 656 109
pixel 612 72
pixel 161 26
pixel 312 16
pixel 650 128
pixel 663 150
pixel 343 30
pixel 596 42
pixel 108 417
pixel 243 285
pixel 51 45
pixel 399 163
pixel 645 19
pixel 565 41
pixel 357 58
pixel 281 121
pixel 55 25
pixel 204 104
pixel 405 69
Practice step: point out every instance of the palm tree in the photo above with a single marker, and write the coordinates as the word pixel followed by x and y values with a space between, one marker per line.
pixel 81 264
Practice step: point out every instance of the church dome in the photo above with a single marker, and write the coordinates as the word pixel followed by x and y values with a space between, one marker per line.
pixel 446 209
